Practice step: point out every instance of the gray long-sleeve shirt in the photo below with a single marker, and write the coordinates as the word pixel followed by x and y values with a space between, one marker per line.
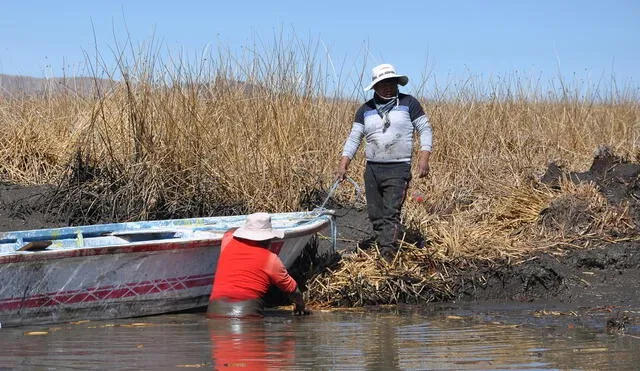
pixel 393 143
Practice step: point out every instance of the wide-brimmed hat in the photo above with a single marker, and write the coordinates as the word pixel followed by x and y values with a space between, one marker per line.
pixel 258 227
pixel 385 71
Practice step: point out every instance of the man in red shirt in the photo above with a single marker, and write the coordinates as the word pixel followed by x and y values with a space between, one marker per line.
pixel 246 269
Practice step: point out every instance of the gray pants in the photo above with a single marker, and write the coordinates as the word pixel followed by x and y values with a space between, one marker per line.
pixel 386 189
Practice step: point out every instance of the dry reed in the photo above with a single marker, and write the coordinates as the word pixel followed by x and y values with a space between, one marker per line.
pixel 169 140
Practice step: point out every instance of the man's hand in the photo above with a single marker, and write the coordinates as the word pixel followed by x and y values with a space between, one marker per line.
pixel 423 164
pixel 341 171
pixel 301 310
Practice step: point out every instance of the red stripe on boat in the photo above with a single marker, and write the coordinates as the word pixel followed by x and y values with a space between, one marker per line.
pixel 107 293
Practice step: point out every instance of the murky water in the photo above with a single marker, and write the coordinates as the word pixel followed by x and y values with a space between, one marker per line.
pixel 431 337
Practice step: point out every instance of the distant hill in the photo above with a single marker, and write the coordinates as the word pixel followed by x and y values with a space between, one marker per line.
pixel 12 85
pixel 16 86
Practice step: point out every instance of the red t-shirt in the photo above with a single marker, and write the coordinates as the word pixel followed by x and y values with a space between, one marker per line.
pixel 246 270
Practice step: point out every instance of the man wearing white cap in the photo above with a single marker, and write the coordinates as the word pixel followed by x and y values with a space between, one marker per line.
pixel 247 268
pixel 388 122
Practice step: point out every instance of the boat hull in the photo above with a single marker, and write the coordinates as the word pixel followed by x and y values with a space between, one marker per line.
pixel 137 279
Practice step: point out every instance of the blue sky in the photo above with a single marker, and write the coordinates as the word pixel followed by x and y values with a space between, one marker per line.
pixel 586 42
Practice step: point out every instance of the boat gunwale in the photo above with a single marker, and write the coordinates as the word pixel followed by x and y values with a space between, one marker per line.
pixel 187 223
pixel 195 241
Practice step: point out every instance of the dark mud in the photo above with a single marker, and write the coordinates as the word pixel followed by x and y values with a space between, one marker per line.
pixel 26 207
pixel 602 274
pixel 606 276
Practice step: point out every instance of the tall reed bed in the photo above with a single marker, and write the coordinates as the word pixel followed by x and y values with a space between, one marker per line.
pixel 172 138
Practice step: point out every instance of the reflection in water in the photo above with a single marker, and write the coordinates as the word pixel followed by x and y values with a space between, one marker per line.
pixel 449 338
pixel 383 352
pixel 249 344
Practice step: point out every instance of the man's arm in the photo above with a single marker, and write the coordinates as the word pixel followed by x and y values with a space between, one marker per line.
pixel 281 278
pixel 351 145
pixel 425 132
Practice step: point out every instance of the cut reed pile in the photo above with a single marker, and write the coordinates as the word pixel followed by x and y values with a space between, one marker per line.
pixel 236 135
pixel 365 278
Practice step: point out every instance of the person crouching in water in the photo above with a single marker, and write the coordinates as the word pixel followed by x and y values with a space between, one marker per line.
pixel 246 269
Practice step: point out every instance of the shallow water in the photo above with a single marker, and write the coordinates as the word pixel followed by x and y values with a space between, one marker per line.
pixel 431 337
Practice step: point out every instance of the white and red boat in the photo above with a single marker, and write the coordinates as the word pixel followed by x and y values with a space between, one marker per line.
pixel 126 269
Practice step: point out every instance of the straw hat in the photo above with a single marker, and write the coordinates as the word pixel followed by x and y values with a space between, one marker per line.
pixel 385 71
pixel 257 227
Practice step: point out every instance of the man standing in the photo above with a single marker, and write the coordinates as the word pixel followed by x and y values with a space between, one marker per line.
pixel 247 268
pixel 388 122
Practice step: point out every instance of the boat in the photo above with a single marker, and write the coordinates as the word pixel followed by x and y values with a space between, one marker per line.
pixel 124 270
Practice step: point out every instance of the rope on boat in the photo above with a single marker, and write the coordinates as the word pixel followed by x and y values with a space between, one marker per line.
pixel 334 234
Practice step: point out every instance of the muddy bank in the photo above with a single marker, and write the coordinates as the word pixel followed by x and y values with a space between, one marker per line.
pixel 26 207
pixel 603 276
pixel 595 261
pixel 589 272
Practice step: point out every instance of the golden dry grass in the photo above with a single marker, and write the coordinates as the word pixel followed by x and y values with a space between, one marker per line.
pixel 185 139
